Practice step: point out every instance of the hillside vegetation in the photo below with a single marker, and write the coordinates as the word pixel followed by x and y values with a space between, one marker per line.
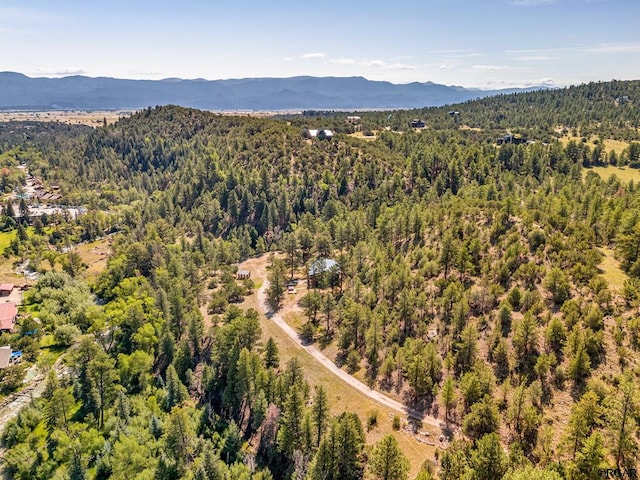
pixel 472 284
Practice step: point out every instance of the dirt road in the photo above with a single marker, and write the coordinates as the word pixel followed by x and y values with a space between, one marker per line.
pixel 11 406
pixel 278 319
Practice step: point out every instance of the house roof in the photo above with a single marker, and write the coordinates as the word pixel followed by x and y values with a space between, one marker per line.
pixel 322 265
pixel 8 312
pixel 5 354
pixel 244 272
pixel 6 287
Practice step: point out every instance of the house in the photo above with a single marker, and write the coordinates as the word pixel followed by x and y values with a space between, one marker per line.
pixel 353 120
pixel 243 274
pixel 417 123
pixel 6 289
pixel 5 356
pixel 321 268
pixel 322 134
pixel 510 138
pixel 8 314
pixel 325 134
pixel 309 133
pixel 454 113
pixel 9 357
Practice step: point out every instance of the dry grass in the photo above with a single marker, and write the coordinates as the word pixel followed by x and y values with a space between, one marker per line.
pixel 93 119
pixel 617 146
pixel 625 174
pixel 362 136
pixel 95 255
pixel 611 270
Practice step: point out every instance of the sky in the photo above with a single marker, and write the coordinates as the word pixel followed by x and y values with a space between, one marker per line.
pixel 471 43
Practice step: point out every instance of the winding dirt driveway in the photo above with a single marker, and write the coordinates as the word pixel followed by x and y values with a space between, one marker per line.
pixel 375 395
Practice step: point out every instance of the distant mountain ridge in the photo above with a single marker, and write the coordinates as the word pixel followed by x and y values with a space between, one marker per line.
pixel 19 92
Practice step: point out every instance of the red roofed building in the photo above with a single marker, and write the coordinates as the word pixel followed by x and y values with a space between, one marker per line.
pixel 6 289
pixel 8 313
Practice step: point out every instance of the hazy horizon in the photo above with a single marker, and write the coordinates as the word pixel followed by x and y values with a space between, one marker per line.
pixel 488 45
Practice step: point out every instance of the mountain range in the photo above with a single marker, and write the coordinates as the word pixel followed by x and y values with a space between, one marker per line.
pixel 20 92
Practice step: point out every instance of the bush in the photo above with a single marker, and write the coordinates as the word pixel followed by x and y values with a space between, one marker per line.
pixel 372 420
pixel 11 378
pixel 66 334
pixel 395 422
pixel 308 332
pixel 353 361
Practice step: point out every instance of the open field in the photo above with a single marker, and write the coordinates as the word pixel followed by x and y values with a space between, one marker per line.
pixel 95 256
pixel 609 143
pixel 611 270
pixel 93 118
pixel 625 174
pixel 362 136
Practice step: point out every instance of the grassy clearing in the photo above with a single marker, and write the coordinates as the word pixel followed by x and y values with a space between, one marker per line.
pixel 617 146
pixel 95 255
pixel 625 174
pixel 5 239
pixel 611 270
pixel 362 136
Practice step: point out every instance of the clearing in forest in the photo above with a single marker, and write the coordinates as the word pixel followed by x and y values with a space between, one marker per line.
pixel 418 446
pixel 611 270
pixel 625 174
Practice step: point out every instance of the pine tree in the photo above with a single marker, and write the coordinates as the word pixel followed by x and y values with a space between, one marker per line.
pixel 488 459
pixel 271 356
pixel 387 462
pixel 374 345
pixel 320 414
pixel 448 397
pixel 622 414
pixel 176 391
pixel 290 430
pixel 102 370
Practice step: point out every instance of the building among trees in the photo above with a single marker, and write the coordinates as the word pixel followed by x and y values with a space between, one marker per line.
pixel 322 272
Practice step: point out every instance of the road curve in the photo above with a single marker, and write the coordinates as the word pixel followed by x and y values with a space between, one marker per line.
pixel 375 395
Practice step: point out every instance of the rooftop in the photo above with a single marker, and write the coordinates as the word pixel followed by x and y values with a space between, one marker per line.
pixel 322 265
pixel 8 312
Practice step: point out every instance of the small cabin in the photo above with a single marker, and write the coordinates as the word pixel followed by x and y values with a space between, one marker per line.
pixel 243 274
pixel 9 357
pixel 6 289
pixel 512 139
pixel 417 123
pixel 5 356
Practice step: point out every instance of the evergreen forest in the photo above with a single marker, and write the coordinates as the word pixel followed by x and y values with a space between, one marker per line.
pixel 493 286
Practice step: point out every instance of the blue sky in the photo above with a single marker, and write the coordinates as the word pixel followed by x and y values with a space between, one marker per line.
pixel 473 43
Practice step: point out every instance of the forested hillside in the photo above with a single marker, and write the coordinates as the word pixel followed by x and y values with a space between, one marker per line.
pixel 495 287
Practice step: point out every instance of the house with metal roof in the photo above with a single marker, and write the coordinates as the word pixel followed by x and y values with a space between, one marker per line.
pixel 320 268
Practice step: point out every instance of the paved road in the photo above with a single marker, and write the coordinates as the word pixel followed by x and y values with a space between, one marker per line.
pixel 379 397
